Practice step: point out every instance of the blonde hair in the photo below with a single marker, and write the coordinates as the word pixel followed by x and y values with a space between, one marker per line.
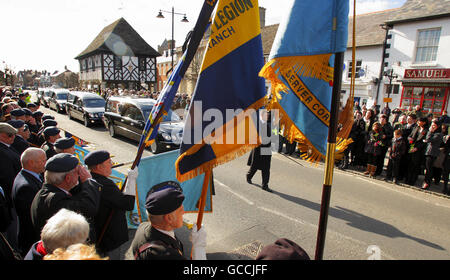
pixel 63 229
pixel 78 251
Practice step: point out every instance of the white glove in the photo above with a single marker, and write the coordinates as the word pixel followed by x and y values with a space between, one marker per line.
pixel 130 186
pixel 198 239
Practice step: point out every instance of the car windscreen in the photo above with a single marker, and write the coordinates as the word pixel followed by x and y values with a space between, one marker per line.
pixel 61 96
pixel 94 102
pixel 47 93
pixel 171 115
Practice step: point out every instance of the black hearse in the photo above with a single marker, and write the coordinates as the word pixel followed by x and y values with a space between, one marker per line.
pixel 127 116
pixel 85 106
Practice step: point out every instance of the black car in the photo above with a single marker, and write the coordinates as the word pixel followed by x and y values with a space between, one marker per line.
pixel 85 106
pixel 127 116
pixel 43 95
pixel 58 99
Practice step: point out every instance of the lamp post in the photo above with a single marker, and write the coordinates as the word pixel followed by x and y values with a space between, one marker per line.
pixel 160 15
pixel 390 75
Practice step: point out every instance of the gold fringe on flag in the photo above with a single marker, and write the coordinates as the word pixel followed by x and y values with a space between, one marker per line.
pixel 227 153
pixel 310 66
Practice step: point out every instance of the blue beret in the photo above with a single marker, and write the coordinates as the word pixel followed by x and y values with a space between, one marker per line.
pixel 37 113
pixel 164 198
pixel 16 123
pixel 17 112
pixel 51 131
pixel 48 123
pixel 46 117
pixel 62 162
pixel 64 143
pixel 27 111
pixel 96 157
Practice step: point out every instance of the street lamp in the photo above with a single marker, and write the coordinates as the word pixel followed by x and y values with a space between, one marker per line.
pixel 160 15
pixel 390 75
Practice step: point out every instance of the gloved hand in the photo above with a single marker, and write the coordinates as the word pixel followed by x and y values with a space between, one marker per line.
pixel 198 239
pixel 130 186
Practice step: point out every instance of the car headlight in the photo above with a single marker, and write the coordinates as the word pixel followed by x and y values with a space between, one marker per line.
pixel 166 136
pixel 91 115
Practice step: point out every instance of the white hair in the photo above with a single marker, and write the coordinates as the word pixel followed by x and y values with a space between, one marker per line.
pixel 64 229
pixel 55 178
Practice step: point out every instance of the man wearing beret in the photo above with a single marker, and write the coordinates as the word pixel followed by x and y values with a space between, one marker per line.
pixel 65 145
pixel 282 249
pixel 9 168
pixel 51 134
pixel 18 114
pixel 22 135
pixel 62 173
pixel 21 100
pixel 155 239
pixel 112 202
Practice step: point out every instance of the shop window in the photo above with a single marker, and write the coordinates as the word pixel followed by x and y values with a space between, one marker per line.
pixel 427 45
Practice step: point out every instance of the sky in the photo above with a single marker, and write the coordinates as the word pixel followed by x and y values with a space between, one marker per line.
pixel 49 34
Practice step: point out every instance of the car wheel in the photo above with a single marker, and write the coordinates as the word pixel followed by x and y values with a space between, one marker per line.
pixel 87 122
pixel 111 130
pixel 155 147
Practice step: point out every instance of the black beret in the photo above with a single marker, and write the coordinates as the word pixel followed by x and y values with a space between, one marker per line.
pixel 46 117
pixel 31 105
pixel 37 113
pixel 282 249
pixel 17 112
pixel 51 131
pixel 16 123
pixel 27 112
pixel 64 143
pixel 164 198
pixel 48 123
pixel 96 157
pixel 62 162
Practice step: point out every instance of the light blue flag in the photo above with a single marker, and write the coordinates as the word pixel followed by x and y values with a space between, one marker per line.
pixel 300 70
pixel 160 168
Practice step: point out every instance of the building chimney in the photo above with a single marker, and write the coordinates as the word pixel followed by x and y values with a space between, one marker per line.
pixel 262 17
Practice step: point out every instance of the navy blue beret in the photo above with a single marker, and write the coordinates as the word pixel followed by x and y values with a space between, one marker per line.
pixel 17 112
pixel 62 162
pixel 164 198
pixel 96 157
pixel 27 111
pixel 31 105
pixel 46 117
pixel 16 123
pixel 48 123
pixel 51 131
pixel 37 113
pixel 282 249
pixel 64 143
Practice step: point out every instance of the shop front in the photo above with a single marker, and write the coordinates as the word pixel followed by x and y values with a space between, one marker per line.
pixel 428 88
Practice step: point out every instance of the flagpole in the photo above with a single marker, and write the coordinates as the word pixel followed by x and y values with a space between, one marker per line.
pixel 329 161
pixel 202 201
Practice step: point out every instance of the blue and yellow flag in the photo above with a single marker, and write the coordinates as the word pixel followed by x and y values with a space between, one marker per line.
pixel 221 124
pixel 300 70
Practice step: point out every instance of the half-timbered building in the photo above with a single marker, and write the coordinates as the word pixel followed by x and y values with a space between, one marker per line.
pixel 118 57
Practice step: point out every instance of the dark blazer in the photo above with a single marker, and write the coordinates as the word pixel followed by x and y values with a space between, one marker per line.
pixel 24 190
pixel 50 199
pixel 9 168
pixel 417 138
pixel 160 246
pixel 20 144
pixel 112 199
pixel 49 149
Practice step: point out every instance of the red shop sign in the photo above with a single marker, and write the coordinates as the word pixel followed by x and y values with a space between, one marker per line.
pixel 427 74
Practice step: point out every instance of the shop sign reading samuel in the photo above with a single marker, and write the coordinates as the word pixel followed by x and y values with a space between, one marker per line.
pixel 427 74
